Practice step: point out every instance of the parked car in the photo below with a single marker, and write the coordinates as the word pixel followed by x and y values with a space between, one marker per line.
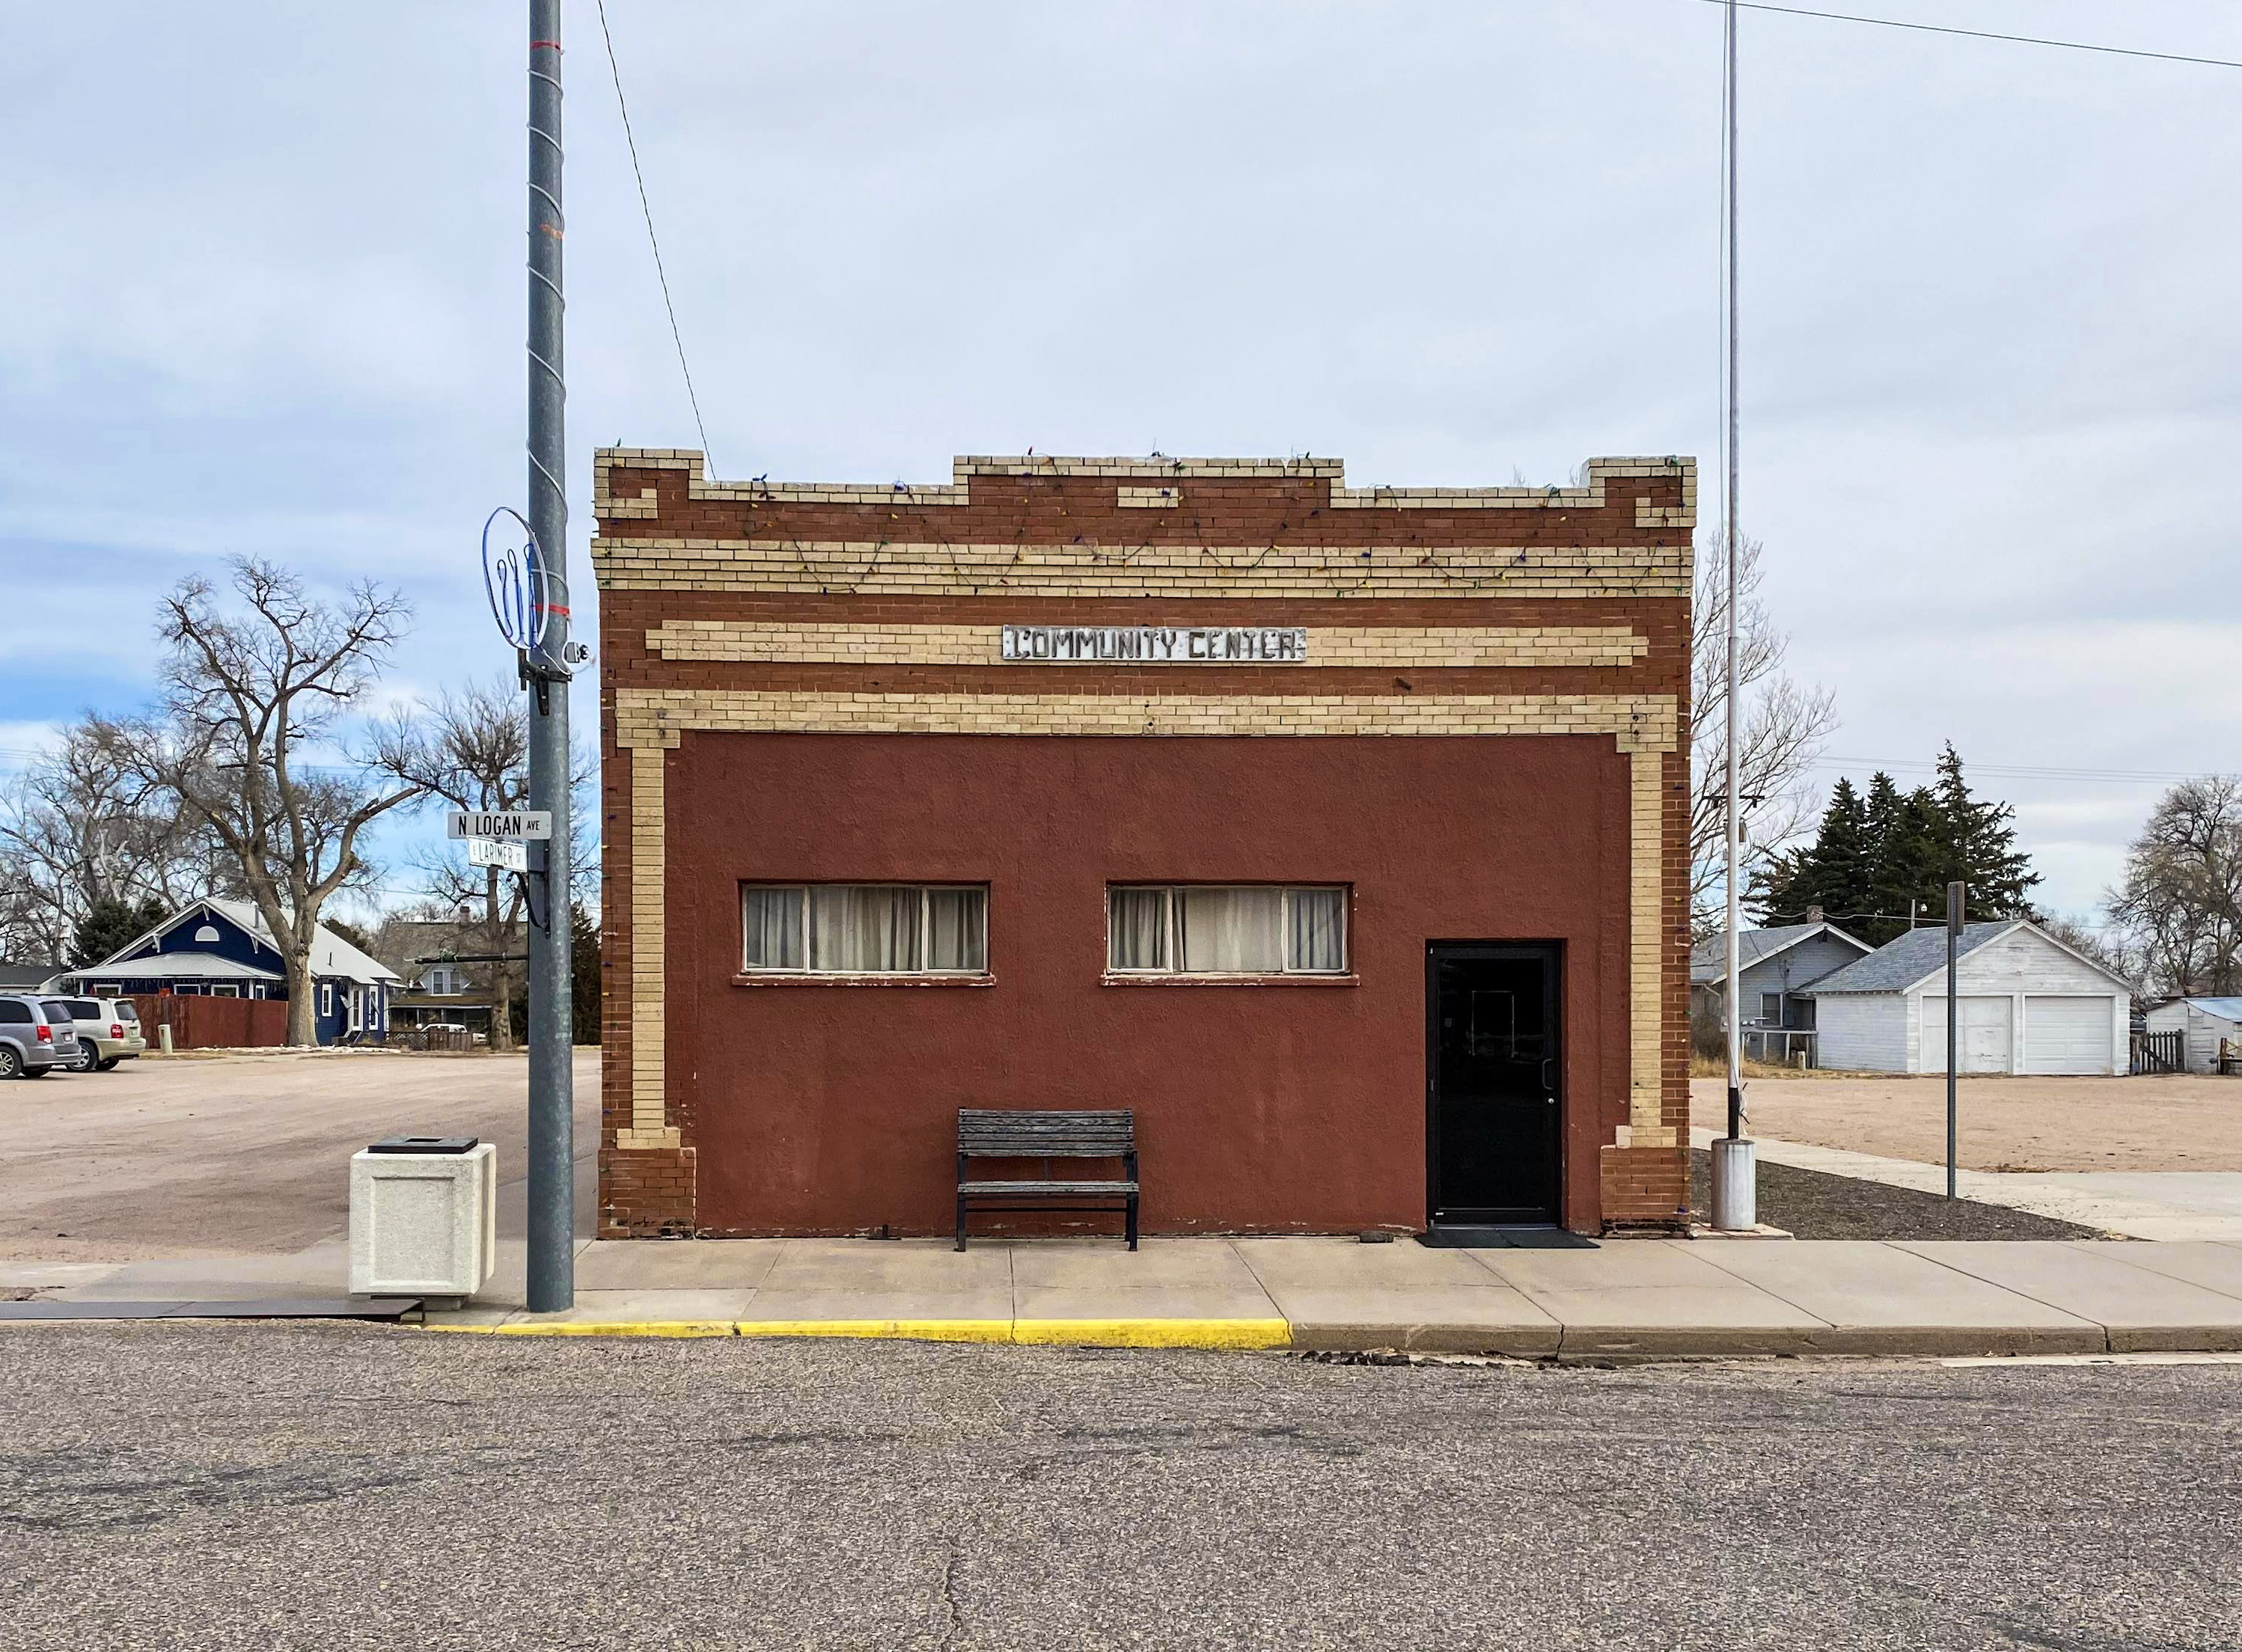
pixel 108 1031
pixel 33 1041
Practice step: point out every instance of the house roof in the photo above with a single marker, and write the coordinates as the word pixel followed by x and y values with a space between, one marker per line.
pixel 15 977
pixel 1919 954
pixel 330 954
pixel 175 966
pixel 1709 960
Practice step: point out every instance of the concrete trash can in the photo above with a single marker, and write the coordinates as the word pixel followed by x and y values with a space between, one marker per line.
pixel 423 1217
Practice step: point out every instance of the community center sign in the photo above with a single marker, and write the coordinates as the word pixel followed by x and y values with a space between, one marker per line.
pixel 1156 644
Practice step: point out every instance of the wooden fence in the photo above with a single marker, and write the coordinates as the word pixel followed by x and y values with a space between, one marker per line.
pixel 2160 1051
pixel 212 1023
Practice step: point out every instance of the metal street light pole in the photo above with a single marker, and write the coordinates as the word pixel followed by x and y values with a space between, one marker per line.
pixel 552 1100
pixel 1735 1194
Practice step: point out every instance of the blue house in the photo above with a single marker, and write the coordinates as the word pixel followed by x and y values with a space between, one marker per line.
pixel 221 949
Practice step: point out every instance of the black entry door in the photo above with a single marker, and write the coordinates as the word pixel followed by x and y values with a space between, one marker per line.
pixel 1493 1068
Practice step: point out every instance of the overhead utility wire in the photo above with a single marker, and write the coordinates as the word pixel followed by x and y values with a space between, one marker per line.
pixel 1982 34
pixel 662 275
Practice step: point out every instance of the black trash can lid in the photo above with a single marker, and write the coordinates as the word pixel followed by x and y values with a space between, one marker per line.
pixel 424 1144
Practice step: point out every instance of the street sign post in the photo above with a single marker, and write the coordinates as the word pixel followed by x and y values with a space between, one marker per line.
pixel 515 824
pixel 1957 902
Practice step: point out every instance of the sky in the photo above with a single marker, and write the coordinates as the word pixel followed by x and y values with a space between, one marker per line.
pixel 264 294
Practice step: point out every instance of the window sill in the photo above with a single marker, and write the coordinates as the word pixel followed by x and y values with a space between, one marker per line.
pixel 878 978
pixel 1130 978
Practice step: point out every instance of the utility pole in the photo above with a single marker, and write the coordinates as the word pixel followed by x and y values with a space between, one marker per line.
pixel 1736 1191
pixel 552 1098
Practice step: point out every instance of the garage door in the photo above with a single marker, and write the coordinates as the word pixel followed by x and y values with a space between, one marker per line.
pixel 2067 1035
pixel 1984 1034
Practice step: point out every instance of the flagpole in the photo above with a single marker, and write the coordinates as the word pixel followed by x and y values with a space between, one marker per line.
pixel 1735 1181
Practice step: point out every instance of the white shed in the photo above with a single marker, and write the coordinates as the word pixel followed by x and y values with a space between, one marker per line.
pixel 2027 1004
pixel 2205 1021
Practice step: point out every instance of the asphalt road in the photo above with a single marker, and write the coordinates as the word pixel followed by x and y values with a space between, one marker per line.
pixel 332 1487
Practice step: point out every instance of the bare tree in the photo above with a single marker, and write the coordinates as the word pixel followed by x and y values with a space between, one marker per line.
pixel 1782 727
pixel 471 750
pixel 82 827
pixel 249 695
pixel 2181 904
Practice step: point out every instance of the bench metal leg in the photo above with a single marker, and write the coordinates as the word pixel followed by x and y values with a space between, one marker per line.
pixel 1132 1221
pixel 961 1221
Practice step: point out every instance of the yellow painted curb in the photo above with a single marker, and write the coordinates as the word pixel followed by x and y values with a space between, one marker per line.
pixel 1096 1334
pixel 1156 1333
pixel 899 1330
pixel 599 1328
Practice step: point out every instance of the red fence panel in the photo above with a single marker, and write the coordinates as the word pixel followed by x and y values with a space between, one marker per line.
pixel 198 1023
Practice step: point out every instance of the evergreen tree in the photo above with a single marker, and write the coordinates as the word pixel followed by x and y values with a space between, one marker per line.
pixel 1832 872
pixel 1983 842
pixel 109 926
pixel 1880 855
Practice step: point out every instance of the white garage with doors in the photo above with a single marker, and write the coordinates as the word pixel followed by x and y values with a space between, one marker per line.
pixel 2027 1003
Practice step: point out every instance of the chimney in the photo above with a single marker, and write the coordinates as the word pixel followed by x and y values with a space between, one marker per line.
pixel 1814 915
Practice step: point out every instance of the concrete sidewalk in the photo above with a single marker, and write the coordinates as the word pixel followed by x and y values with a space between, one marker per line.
pixel 2142 1204
pixel 1619 1298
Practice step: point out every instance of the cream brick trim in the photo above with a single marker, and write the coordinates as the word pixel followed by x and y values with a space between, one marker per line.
pixel 649 722
pixel 1587 496
pixel 648 825
pixel 1328 645
pixel 659 716
pixel 1645 981
pixel 1153 499
pixel 881 568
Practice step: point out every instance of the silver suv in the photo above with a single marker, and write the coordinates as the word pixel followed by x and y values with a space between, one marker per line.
pixel 108 1031
pixel 34 1040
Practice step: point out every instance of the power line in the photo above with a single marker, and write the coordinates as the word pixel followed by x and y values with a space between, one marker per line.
pixel 2010 771
pixel 1982 34
pixel 662 275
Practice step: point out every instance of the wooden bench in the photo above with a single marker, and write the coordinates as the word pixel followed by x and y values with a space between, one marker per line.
pixel 984 1133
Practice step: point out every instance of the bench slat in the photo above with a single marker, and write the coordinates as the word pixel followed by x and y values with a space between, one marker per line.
pixel 1114 1187
pixel 990 1133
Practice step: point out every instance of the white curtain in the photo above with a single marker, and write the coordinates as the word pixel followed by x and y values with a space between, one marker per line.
pixel 1232 929
pixel 772 920
pixel 957 928
pixel 863 926
pixel 1136 928
pixel 1318 940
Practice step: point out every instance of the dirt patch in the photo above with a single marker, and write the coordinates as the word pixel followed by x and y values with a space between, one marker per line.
pixel 238 1153
pixel 2167 1122
pixel 1810 1205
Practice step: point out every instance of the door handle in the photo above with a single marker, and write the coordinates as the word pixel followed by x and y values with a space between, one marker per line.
pixel 1548 1077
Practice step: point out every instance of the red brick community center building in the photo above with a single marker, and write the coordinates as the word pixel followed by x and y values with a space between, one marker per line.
pixel 1341 832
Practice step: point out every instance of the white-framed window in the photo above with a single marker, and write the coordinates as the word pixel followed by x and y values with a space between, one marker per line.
pixel 1770 1008
pixel 224 992
pixel 444 981
pixel 1225 928
pixel 864 929
pixel 326 998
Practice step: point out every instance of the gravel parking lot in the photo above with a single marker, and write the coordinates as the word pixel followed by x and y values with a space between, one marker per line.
pixel 2162 1123
pixel 240 1153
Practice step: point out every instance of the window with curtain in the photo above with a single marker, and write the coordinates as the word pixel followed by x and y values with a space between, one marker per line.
pixel 865 929
pixel 1225 928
